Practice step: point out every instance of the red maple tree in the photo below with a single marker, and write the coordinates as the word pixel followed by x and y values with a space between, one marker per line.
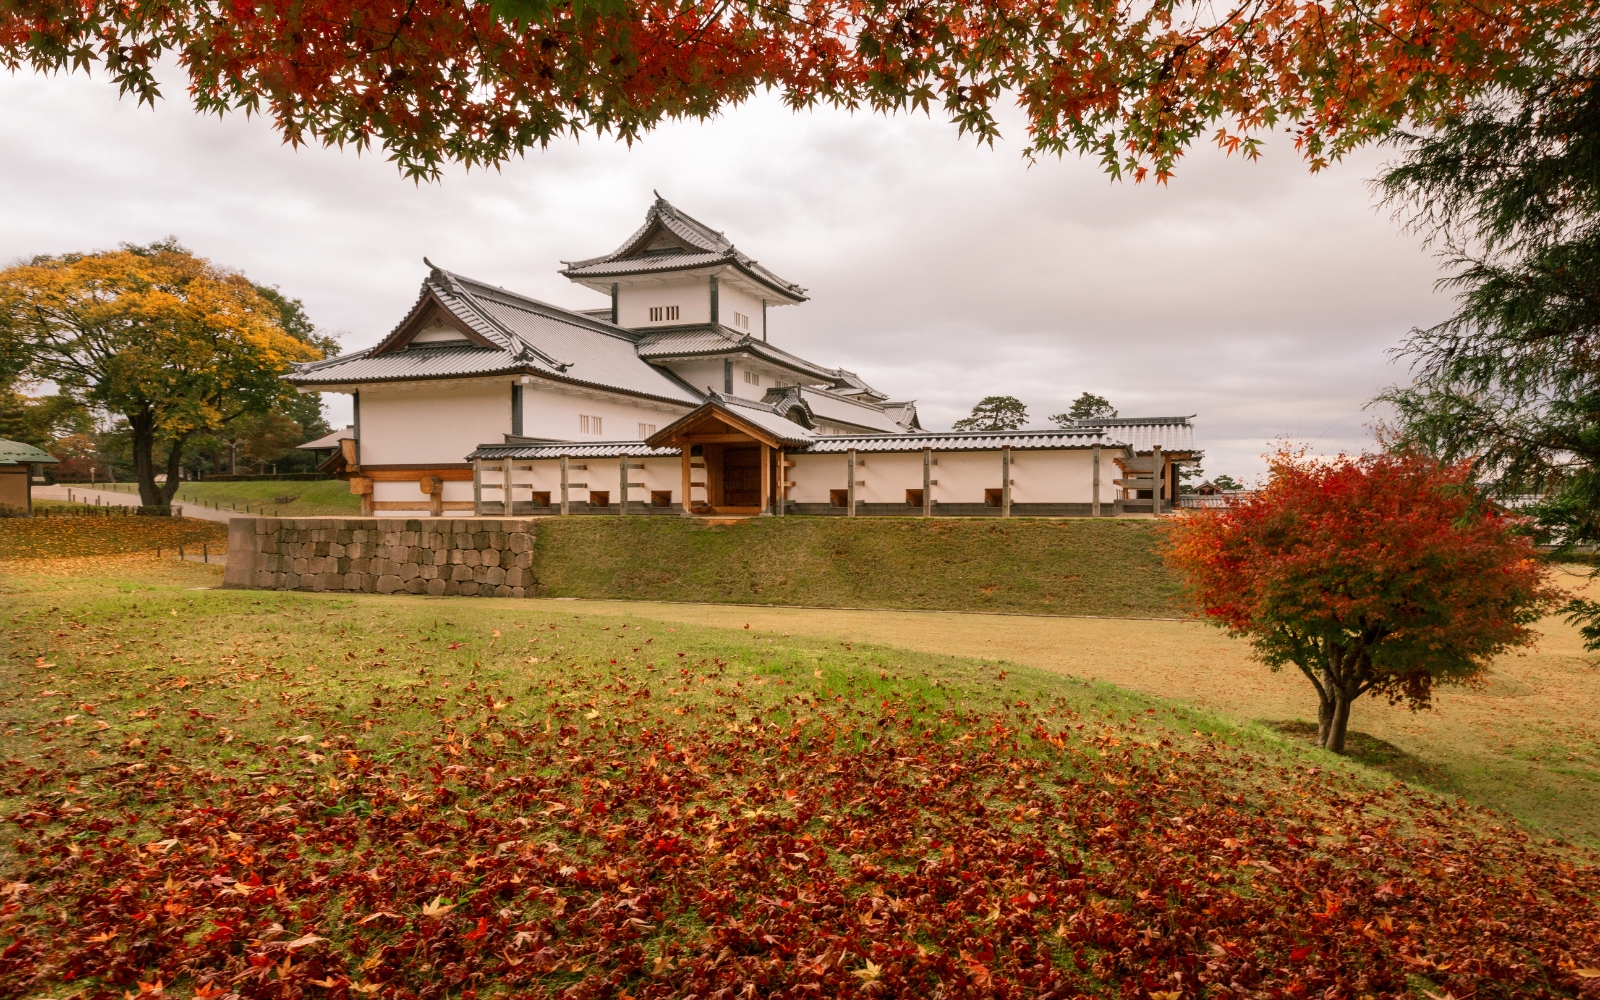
pixel 1131 83
pixel 1384 574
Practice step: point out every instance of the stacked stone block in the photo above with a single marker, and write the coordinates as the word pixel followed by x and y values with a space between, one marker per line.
pixel 440 556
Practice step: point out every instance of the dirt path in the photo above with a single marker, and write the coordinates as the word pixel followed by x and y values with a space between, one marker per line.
pixel 113 498
pixel 1527 741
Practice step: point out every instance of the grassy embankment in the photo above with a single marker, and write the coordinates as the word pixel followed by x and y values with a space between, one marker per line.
pixel 269 794
pixel 1039 566
pixel 1028 565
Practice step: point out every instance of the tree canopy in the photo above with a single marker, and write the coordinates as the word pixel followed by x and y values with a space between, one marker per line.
pixel 994 413
pixel 169 341
pixel 1133 84
pixel 1510 190
pixel 1086 407
pixel 1382 575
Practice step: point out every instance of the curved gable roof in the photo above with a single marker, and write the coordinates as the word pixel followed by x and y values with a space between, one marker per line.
pixel 508 334
pixel 672 240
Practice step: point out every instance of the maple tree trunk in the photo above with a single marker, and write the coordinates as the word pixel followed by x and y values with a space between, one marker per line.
pixel 1345 672
pixel 1338 723
pixel 174 470
pixel 152 493
pixel 1324 720
pixel 144 461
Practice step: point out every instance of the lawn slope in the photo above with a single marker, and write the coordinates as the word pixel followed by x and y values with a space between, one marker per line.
pixel 225 793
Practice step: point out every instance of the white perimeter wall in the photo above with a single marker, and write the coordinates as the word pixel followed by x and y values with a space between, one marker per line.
pixel 604 474
pixel 959 477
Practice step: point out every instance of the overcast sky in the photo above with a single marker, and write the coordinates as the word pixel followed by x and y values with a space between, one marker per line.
pixel 1256 295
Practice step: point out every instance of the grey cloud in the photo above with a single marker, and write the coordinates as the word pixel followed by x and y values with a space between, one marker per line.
pixel 1257 295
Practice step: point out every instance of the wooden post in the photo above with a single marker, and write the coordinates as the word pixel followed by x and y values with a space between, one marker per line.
pixel 783 480
pixel 1094 497
pixel 850 495
pixel 1155 480
pixel 433 486
pixel 688 510
pixel 622 492
pixel 1005 482
pixel 477 492
pixel 565 509
pixel 927 482
pixel 766 479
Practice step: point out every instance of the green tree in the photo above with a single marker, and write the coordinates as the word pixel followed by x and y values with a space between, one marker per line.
pixel 1510 191
pixel 1226 483
pixel 995 413
pixel 41 420
pixel 172 343
pixel 1086 407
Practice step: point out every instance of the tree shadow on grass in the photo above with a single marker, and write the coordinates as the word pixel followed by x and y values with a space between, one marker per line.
pixel 1373 752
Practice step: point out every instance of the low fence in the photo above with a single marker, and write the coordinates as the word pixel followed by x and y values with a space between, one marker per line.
pixel 288 477
pixel 487 558
pixel 42 509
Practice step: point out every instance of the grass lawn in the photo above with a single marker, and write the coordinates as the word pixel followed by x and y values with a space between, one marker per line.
pixel 1526 742
pixel 232 793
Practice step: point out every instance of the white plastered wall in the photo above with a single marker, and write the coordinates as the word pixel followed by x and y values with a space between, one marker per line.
pixel 551 411
pixel 432 423
pixel 731 299
pixel 959 477
pixel 1056 476
pixel 692 296
pixel 605 474
pixel 707 373
pixel 703 374
pixel 814 475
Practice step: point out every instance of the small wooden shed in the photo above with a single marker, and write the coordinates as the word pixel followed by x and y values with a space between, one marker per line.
pixel 21 465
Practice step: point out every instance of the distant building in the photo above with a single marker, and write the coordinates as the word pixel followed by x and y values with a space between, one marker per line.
pixel 329 448
pixel 673 399
pixel 21 465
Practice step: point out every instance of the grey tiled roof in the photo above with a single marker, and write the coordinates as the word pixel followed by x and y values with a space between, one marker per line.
pixel 851 383
pixel 765 417
pixel 529 337
pixel 801 440
pixel 968 441
pixel 414 363
pixel 841 410
pixel 329 440
pixel 706 247
pixel 643 265
pixel 574 449
pixel 710 340
pixel 1142 434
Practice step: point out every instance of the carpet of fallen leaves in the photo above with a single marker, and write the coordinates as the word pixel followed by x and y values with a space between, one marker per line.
pixel 49 537
pixel 611 851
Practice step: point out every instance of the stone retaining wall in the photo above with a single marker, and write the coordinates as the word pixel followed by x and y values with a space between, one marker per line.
pixel 486 557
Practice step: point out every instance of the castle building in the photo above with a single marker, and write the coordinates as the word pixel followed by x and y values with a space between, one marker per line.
pixel 672 399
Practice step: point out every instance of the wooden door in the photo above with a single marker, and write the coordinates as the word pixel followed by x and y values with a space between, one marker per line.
pixel 741 476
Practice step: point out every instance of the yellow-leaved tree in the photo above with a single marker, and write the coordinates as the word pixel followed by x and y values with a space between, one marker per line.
pixel 166 339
